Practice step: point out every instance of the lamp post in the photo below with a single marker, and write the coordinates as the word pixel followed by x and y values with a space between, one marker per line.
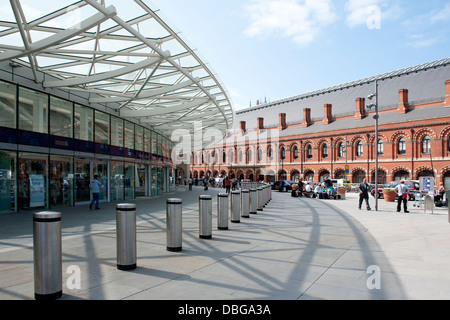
pixel 376 117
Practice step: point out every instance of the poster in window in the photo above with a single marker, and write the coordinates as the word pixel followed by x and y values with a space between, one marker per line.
pixel 37 190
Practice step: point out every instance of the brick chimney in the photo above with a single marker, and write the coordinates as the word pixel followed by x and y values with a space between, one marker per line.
pixel 282 121
pixel 260 122
pixel 360 108
pixel 306 117
pixel 327 117
pixel 447 94
pixel 403 101
pixel 242 126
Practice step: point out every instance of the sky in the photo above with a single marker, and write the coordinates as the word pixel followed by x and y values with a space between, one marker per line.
pixel 268 50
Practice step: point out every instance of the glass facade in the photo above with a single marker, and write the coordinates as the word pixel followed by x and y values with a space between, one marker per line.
pixel 33 111
pixel 8 190
pixel 45 179
pixel 7 105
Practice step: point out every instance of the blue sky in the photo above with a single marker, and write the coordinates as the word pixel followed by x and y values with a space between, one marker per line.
pixel 274 49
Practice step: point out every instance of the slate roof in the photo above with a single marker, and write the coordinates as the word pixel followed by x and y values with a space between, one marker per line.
pixel 425 83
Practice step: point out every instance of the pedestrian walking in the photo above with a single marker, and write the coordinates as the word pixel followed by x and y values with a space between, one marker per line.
pixel 364 194
pixel 402 196
pixel 94 186
pixel 227 184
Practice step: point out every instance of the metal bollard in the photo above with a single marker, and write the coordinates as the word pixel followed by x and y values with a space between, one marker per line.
pixel 264 188
pixel 428 204
pixel 222 211
pixel 253 201
pixel 447 195
pixel 126 236
pixel 205 221
pixel 259 199
pixel 174 224
pixel 47 253
pixel 235 206
pixel 245 204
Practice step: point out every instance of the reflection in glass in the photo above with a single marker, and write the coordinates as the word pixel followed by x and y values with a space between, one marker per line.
pixel 7 105
pixel 84 123
pixel 33 111
pixel 61 117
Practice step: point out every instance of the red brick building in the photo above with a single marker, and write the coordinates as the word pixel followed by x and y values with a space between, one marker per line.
pixel 319 134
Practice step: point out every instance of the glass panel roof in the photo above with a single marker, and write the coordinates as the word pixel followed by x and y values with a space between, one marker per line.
pixel 120 52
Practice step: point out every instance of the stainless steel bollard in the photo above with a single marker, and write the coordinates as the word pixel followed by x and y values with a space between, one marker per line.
pixel 126 236
pixel 235 206
pixel 260 199
pixel 428 204
pixel 222 211
pixel 253 201
pixel 174 224
pixel 47 253
pixel 205 221
pixel 447 195
pixel 245 203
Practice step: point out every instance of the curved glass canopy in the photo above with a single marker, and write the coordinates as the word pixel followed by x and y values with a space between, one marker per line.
pixel 123 55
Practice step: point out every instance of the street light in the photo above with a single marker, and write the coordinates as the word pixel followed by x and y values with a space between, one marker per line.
pixel 376 117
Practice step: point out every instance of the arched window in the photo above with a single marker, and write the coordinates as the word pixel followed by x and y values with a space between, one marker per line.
pixel 448 143
pixel 231 157
pixel 426 144
pixel 240 156
pixel 309 152
pixel 270 155
pixel 295 153
pixel 341 149
pixel 359 149
pixel 260 155
pixel 402 146
pixel 224 157
pixel 324 151
pixel 380 148
pixel 283 153
pixel 249 156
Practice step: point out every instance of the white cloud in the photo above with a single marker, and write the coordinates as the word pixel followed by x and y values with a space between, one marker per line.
pixel 442 15
pixel 300 20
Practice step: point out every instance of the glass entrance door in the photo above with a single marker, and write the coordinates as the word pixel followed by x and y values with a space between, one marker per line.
pixel 100 168
pixel 141 174
pixel 82 174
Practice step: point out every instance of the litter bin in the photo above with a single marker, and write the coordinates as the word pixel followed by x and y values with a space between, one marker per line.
pixel 47 255
pixel 222 211
pixel 126 236
pixel 174 224
pixel 205 221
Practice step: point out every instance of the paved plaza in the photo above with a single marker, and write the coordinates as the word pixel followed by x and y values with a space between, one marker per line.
pixel 295 249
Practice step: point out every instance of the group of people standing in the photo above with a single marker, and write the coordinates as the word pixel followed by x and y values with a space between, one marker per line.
pixel 226 182
pixel 402 195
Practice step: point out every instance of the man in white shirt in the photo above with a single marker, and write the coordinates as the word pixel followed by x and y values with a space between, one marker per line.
pixel 402 196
